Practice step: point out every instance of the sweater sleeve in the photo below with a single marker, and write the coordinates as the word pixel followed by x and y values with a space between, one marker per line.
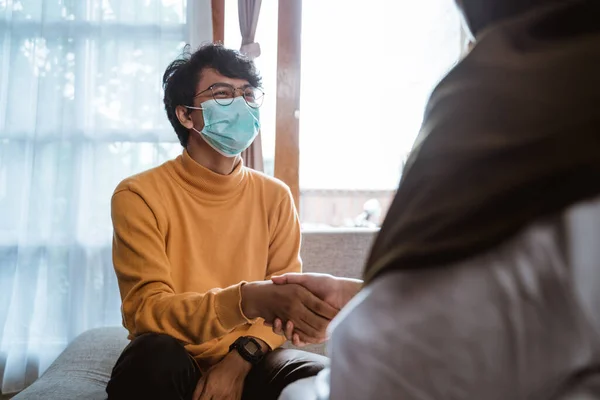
pixel 150 303
pixel 284 257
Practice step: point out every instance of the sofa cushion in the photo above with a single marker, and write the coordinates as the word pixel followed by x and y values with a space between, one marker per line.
pixel 82 370
pixel 340 252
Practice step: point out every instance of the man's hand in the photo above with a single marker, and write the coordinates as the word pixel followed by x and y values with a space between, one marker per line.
pixel 224 381
pixel 309 314
pixel 333 290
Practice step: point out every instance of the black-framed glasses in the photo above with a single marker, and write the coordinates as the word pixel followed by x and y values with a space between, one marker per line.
pixel 224 93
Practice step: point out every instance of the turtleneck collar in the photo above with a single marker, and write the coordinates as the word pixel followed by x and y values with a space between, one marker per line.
pixel 203 182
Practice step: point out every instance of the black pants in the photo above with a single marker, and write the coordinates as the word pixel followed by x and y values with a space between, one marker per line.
pixel 157 367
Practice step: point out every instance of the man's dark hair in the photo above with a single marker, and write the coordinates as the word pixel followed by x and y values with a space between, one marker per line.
pixel 182 76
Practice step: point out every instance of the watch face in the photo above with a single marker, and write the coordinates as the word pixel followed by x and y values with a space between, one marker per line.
pixel 251 347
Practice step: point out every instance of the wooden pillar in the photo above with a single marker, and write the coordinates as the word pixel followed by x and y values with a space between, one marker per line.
pixel 218 20
pixel 287 151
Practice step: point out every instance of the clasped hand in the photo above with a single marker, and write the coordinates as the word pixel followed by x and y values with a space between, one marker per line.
pixel 309 314
pixel 335 291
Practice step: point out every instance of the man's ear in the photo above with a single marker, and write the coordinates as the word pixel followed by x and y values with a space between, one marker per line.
pixel 184 117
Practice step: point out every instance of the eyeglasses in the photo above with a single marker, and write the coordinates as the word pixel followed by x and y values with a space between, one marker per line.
pixel 224 93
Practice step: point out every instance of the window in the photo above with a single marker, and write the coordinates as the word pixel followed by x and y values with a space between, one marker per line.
pixel 367 71
pixel 80 109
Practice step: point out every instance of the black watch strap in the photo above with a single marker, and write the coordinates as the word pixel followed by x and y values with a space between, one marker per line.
pixel 249 349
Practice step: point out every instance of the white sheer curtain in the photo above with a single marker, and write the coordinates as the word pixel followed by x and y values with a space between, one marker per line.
pixel 80 109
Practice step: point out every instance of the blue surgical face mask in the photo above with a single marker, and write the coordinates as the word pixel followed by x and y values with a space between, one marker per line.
pixel 229 129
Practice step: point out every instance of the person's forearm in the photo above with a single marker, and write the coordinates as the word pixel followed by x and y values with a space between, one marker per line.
pixel 205 316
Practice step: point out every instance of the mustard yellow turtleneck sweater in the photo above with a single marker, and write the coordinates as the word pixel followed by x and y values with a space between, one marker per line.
pixel 185 240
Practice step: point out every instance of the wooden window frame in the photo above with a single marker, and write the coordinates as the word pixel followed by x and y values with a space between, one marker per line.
pixel 287 126
pixel 218 20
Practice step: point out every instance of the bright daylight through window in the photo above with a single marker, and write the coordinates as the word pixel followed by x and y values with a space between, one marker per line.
pixel 367 71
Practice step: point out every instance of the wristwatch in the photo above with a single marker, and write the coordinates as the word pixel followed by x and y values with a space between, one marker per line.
pixel 249 349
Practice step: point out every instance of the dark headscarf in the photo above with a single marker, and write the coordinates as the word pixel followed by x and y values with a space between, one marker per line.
pixel 512 134
pixel 480 14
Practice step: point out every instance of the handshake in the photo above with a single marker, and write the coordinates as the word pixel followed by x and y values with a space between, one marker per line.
pixel 299 306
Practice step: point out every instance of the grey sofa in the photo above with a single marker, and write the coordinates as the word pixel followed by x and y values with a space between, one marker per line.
pixel 83 369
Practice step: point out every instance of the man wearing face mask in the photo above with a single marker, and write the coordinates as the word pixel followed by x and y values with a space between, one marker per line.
pixel 196 241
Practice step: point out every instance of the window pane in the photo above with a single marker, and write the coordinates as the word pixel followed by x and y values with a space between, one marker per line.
pixel 104 84
pixel 126 88
pixel 40 86
pixel 67 182
pixel 364 88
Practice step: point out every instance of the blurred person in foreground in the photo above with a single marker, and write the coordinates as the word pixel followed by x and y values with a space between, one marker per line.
pixel 483 282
